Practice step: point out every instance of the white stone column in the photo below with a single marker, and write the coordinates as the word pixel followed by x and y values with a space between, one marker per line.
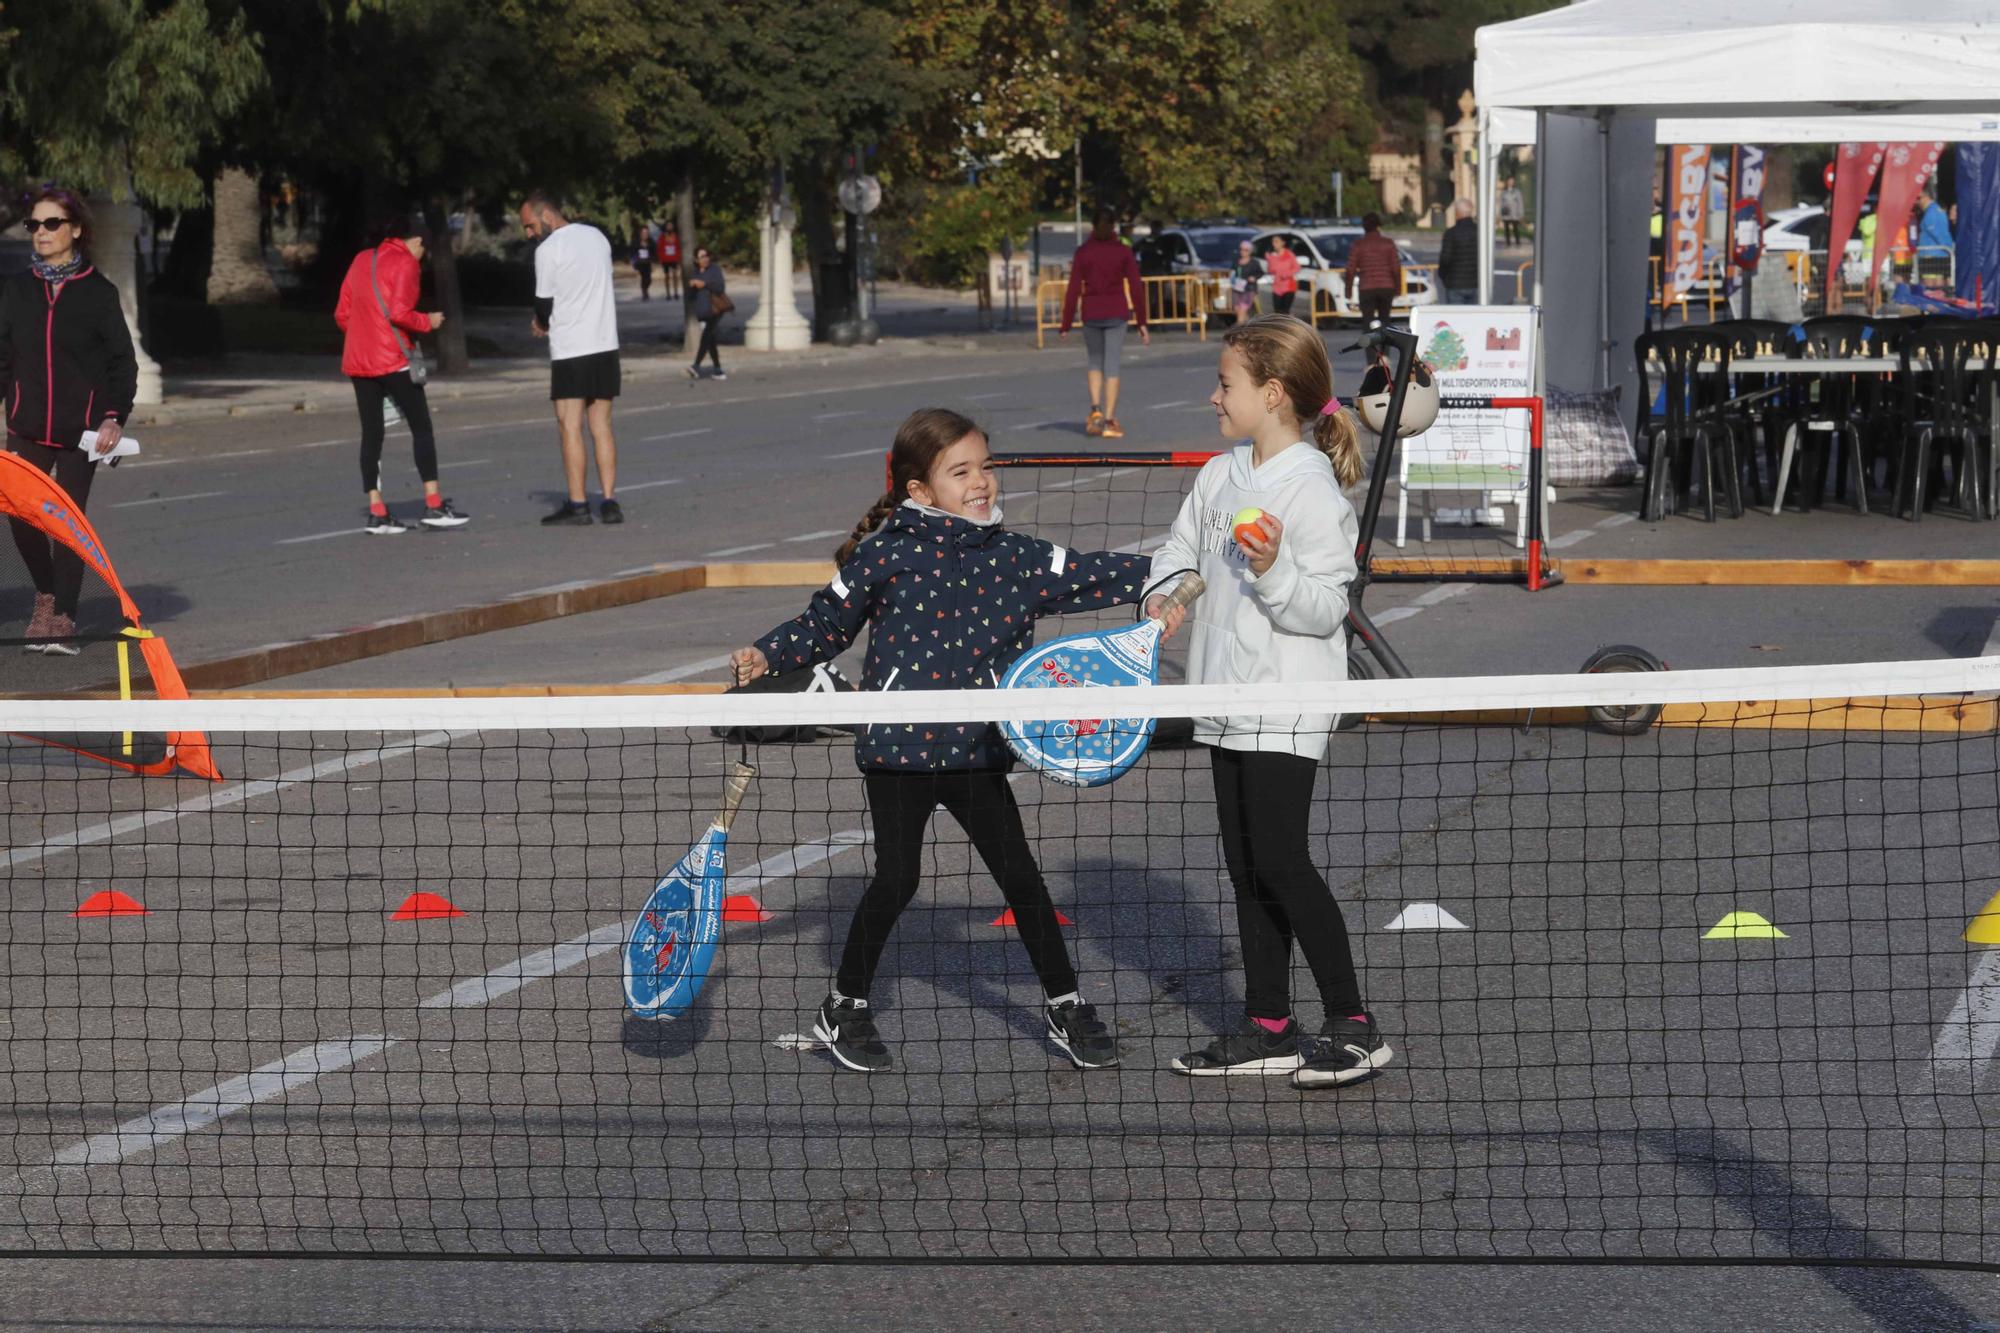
pixel 113 251
pixel 777 325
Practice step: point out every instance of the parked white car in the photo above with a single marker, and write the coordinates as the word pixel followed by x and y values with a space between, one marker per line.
pixel 1322 252
pixel 1807 228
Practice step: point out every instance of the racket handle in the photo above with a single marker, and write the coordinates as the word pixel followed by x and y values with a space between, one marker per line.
pixel 732 793
pixel 1183 595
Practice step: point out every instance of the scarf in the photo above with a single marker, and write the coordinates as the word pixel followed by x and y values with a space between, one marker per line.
pixel 58 273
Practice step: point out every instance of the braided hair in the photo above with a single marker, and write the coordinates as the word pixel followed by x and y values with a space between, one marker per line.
pixel 924 435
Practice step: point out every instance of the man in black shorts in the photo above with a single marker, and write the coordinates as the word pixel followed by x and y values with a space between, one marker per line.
pixel 574 310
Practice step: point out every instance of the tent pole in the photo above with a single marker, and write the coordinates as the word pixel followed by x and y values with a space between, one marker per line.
pixel 1484 204
pixel 1604 249
pixel 1541 194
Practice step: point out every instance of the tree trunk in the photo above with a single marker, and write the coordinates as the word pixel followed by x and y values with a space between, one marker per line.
pixel 236 273
pixel 684 218
pixel 452 356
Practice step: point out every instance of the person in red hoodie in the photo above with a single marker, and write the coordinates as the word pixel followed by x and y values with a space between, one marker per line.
pixel 1377 265
pixel 1102 274
pixel 378 313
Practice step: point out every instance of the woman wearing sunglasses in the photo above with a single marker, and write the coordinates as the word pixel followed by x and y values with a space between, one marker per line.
pixel 66 368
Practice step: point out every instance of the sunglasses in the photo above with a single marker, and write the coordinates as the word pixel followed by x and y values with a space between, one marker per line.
pixel 44 224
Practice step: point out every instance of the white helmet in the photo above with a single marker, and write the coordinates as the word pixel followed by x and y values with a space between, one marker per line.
pixel 1420 400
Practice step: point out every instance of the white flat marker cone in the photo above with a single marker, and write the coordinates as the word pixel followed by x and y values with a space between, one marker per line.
pixel 1425 916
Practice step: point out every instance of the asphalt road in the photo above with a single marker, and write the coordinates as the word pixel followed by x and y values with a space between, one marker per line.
pixel 1582 1074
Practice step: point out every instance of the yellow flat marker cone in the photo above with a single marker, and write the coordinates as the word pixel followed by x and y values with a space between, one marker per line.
pixel 1745 926
pixel 1985 928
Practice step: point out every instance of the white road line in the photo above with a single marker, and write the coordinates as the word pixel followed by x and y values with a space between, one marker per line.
pixel 877 450
pixel 1178 402
pixel 1569 539
pixel 982 397
pixel 1442 593
pixel 834 416
pixel 648 485
pixel 1087 479
pixel 318 536
pixel 162 1125
pixel 677 434
pixel 816 536
pixel 683 671
pixel 1970 1036
pixel 738 550
pixel 1038 425
pixel 168 499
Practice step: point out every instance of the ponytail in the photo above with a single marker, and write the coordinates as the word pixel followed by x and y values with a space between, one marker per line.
pixel 1337 438
pixel 876 516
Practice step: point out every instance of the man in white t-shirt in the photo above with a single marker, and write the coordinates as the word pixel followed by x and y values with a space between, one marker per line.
pixel 574 310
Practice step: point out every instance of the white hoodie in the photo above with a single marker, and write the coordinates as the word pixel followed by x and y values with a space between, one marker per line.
pixel 1289 625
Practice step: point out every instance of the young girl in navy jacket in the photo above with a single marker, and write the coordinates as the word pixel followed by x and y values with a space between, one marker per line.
pixel 953 598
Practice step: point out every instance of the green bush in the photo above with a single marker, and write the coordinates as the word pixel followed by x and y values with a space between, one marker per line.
pixel 943 235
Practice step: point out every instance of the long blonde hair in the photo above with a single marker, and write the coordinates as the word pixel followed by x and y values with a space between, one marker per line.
pixel 924 434
pixel 1278 347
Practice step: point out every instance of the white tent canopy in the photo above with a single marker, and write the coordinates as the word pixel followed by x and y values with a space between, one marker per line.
pixel 1598 77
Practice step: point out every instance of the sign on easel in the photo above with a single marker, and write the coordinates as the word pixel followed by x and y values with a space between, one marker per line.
pixel 1476 352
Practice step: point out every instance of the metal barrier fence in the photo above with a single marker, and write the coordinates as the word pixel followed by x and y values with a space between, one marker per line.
pixel 1176 300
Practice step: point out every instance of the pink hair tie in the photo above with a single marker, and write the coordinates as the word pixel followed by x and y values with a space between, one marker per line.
pixel 1332 407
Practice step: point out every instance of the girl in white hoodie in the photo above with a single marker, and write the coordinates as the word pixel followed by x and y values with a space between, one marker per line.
pixel 1275 611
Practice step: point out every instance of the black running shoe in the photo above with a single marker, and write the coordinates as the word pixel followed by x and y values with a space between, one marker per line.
pixel 385 525
pixel 1348 1049
pixel 849 1032
pixel 1078 1032
pixel 443 515
pixel 609 512
pixel 575 513
pixel 1251 1049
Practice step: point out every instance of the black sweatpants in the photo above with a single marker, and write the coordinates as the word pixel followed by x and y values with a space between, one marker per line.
pixel 1263 801
pixel 1377 302
pixel 983 804
pixel 707 347
pixel 410 401
pixel 52 567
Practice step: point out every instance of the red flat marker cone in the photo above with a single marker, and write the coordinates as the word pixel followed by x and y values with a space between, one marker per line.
pixel 743 907
pixel 1006 918
pixel 425 907
pixel 110 903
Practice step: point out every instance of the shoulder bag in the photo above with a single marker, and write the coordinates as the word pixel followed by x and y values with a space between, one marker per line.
pixel 419 371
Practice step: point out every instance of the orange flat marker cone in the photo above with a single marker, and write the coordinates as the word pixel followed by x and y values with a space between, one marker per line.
pixel 425 907
pixel 1006 918
pixel 743 907
pixel 110 903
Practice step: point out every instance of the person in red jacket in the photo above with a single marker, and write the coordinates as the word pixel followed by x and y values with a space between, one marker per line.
pixel 1102 275
pixel 1378 265
pixel 668 251
pixel 378 313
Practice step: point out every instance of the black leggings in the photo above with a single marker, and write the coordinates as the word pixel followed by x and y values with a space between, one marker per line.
pixel 52 567
pixel 983 805
pixel 410 401
pixel 708 348
pixel 1263 801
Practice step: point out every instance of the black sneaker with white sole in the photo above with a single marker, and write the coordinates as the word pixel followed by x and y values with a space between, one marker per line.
pixel 1348 1049
pixel 385 525
pixel 443 515
pixel 846 1028
pixel 1251 1049
pixel 1080 1034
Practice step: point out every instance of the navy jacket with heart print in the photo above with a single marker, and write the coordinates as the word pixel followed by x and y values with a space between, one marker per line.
pixel 953 604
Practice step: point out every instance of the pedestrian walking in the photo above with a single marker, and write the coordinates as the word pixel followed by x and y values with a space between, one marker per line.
pixel 378 316
pixel 1244 275
pixel 575 311
pixel 1283 264
pixel 1458 257
pixel 66 368
pixel 1512 209
pixel 1104 280
pixel 1375 266
pixel 711 303
pixel 642 260
pixel 667 249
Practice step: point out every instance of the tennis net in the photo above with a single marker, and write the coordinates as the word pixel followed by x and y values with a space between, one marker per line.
pixel 1723 989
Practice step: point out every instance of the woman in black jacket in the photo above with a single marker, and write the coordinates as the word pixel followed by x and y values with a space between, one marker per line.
pixel 707 284
pixel 66 368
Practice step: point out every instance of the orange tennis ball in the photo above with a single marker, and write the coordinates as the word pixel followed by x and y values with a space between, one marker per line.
pixel 1249 522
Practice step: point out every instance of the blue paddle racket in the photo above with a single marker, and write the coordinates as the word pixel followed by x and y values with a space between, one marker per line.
pixel 1091 751
pixel 672 944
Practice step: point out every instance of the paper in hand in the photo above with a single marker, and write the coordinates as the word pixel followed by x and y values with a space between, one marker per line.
pixel 127 447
